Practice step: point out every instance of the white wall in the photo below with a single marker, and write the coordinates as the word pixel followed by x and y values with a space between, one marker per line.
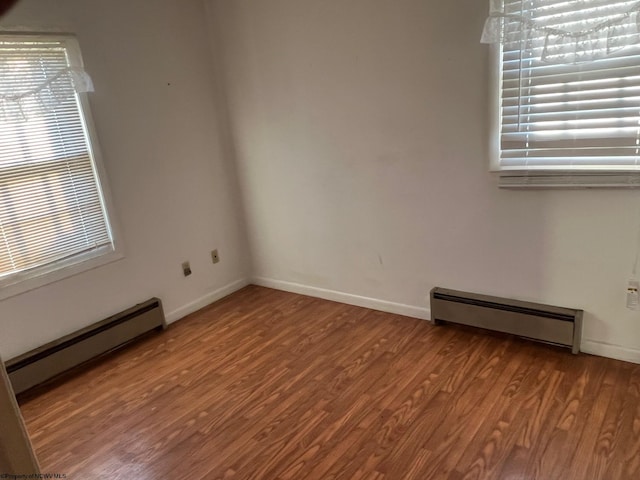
pixel 175 194
pixel 359 129
pixel 360 132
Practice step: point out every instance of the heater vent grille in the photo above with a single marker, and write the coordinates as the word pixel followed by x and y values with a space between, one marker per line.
pixel 46 362
pixel 557 325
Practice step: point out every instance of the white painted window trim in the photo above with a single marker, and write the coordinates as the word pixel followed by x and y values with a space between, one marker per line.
pixel 539 179
pixel 31 279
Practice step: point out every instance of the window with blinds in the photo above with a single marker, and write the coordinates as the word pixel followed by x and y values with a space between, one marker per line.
pixel 52 212
pixel 570 87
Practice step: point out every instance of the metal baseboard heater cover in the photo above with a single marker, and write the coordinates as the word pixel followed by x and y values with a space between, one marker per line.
pixel 557 325
pixel 46 362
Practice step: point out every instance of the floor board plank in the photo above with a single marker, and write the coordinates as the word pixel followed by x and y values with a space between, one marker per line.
pixel 271 385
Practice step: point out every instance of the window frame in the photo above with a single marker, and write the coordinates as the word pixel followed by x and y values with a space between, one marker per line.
pixel 33 278
pixel 538 178
pixel 495 104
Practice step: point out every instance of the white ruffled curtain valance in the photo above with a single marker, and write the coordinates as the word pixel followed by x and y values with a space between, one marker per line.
pixel 568 31
pixel 18 100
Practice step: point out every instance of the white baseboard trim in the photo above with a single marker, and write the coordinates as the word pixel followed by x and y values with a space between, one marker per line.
pixel 348 298
pixel 591 347
pixel 611 351
pixel 205 300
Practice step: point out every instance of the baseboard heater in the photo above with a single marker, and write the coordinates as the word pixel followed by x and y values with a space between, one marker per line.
pixel 557 325
pixel 44 363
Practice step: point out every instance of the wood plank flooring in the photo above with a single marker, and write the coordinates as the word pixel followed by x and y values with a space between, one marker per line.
pixel 271 385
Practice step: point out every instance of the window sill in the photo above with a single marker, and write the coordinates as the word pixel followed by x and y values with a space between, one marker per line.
pixel 21 283
pixel 518 180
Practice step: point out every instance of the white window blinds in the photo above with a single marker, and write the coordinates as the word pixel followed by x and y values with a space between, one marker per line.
pixel 51 207
pixel 570 86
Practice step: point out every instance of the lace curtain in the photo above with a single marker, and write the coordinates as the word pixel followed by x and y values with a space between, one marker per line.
pixel 566 31
pixel 20 100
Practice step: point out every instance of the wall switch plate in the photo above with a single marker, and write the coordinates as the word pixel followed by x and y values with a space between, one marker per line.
pixel 186 269
pixel 214 256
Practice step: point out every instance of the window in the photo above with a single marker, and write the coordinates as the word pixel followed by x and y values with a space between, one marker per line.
pixel 53 215
pixel 569 93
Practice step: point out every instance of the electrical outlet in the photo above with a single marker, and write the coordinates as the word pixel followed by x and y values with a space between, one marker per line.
pixel 186 269
pixel 214 256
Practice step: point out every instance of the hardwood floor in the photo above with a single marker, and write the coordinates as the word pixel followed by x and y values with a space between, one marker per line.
pixel 271 385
